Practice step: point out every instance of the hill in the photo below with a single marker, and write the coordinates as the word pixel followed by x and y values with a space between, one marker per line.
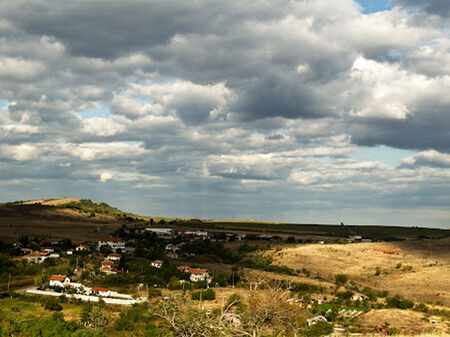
pixel 418 272
pixel 77 219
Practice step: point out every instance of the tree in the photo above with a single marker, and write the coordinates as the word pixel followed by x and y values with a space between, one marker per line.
pixel 93 316
pixel 341 279
pixel 51 304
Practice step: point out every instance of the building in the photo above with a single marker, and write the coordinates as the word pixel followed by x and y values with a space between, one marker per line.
pixel 70 252
pixel 157 263
pixel 35 257
pixel 197 234
pixel 198 274
pixel 54 256
pixel 107 263
pixel 82 248
pixel 100 291
pixel 358 297
pixel 112 243
pixel 314 320
pixel 48 250
pixel 172 248
pixel 58 281
pixel 113 257
pixel 161 231
pixel 108 270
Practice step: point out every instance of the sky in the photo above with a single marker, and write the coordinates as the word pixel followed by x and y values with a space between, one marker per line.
pixel 307 111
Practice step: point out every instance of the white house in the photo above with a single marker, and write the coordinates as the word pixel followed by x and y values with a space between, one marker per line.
pixel 100 291
pixel 198 274
pixel 113 243
pixel 314 320
pixel 113 257
pixel 157 263
pixel 54 256
pixel 69 252
pixel 35 257
pixel 161 231
pixel 82 248
pixel 358 297
pixel 172 248
pixel 58 280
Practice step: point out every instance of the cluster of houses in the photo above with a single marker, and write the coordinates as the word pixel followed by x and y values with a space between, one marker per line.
pixel 108 264
pixel 64 282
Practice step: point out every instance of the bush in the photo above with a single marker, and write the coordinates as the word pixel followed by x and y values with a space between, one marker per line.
pixel 154 292
pixel 320 329
pixel 341 279
pixel 207 295
pixel 398 302
pixel 51 304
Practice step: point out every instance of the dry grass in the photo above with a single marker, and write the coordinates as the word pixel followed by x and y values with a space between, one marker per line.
pixel 423 274
pixel 41 220
pixel 51 202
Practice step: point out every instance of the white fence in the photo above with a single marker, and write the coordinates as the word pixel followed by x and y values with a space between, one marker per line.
pixel 128 301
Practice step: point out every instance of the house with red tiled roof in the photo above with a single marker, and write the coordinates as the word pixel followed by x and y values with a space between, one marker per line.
pixel 157 263
pixel 100 291
pixel 113 257
pixel 58 280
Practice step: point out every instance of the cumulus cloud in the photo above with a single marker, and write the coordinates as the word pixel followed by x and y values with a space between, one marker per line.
pixel 217 101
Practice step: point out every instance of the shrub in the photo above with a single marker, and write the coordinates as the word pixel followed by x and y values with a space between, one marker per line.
pixel 398 302
pixel 207 295
pixel 341 279
pixel 154 292
pixel 320 329
pixel 51 304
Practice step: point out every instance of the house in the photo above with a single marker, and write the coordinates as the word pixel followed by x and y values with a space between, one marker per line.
pixel 198 274
pixel 26 250
pixel 161 231
pixel 17 245
pixel 358 297
pixel 107 263
pixel 35 257
pixel 108 270
pixel 112 243
pixel 184 269
pixel 172 248
pixel 113 257
pixel 314 320
pixel 197 234
pixel 100 291
pixel 48 250
pixel 70 252
pixel 157 263
pixel 54 256
pixel 58 280
pixel 82 248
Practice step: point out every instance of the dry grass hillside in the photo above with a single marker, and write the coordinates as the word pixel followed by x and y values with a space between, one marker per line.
pixel 44 220
pixel 421 272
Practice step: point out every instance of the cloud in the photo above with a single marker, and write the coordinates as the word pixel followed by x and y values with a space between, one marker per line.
pixel 429 158
pixel 233 109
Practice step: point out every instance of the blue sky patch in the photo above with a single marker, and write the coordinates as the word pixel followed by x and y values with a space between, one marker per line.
pixel 102 111
pixel 372 6
pixel 384 154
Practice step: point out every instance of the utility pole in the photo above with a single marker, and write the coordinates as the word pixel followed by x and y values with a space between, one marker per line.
pixel 9 280
pixel 233 281
pixel 76 265
pixel 201 306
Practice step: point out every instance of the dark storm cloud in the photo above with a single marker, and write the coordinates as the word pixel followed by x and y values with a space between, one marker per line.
pixel 439 7
pixel 195 106
pixel 108 29
pixel 426 128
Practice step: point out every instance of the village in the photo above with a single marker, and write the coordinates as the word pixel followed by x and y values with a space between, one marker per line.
pixel 143 262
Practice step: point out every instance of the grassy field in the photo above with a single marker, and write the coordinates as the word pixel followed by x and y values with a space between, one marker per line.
pixel 421 272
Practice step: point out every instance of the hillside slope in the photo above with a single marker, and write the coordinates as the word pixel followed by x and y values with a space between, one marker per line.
pixel 76 219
